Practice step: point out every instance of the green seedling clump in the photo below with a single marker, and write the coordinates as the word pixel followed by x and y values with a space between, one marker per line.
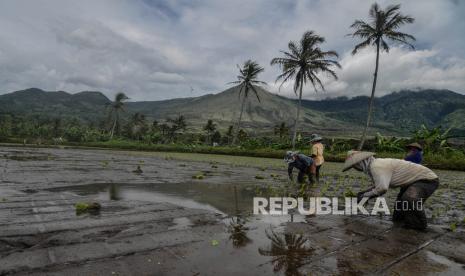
pixel 198 176
pixel 259 177
pixel 84 207
pixel 349 193
pixel 453 226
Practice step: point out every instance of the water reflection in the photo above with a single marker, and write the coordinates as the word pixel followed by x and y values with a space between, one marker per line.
pixel 114 192
pixel 289 251
pixel 238 231
pixel 237 226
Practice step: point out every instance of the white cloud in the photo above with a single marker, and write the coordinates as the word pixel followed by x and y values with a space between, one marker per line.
pixel 399 69
pixel 159 49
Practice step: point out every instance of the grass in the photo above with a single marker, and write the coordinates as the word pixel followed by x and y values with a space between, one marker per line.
pixel 446 161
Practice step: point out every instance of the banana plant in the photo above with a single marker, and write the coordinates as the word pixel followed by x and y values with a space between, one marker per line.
pixel 434 139
pixel 384 143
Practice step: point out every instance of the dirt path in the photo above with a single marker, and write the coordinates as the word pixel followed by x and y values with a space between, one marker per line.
pixel 164 222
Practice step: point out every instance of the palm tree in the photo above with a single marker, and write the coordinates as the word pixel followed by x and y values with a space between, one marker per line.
pixel 178 124
pixel 209 128
pixel 302 63
pixel 282 130
pixel 115 108
pixel 247 80
pixel 137 126
pixel 230 134
pixel 383 26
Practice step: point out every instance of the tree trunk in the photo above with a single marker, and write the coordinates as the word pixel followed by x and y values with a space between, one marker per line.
pixel 240 117
pixel 114 125
pixel 297 117
pixel 372 100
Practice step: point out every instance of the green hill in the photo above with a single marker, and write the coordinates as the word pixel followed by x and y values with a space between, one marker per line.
pixel 397 113
pixel 86 106
pixel 403 111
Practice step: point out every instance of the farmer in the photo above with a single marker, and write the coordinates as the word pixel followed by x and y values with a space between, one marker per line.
pixel 317 153
pixel 303 163
pixel 414 153
pixel 416 184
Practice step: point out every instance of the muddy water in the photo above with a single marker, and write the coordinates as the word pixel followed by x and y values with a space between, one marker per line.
pixel 243 243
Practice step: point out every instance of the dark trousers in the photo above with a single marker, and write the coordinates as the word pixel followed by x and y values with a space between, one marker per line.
pixel 317 175
pixel 300 176
pixel 409 205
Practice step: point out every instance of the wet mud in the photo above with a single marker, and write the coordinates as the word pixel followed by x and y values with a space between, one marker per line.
pixel 159 220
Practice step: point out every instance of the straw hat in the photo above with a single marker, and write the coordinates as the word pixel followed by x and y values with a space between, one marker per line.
pixel 289 155
pixel 353 157
pixel 414 145
pixel 315 138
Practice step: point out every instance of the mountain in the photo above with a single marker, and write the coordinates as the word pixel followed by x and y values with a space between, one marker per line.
pixel 397 113
pixel 403 111
pixel 224 109
pixel 88 106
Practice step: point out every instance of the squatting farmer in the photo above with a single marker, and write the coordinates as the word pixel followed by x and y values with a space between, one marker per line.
pixel 415 153
pixel 415 181
pixel 303 163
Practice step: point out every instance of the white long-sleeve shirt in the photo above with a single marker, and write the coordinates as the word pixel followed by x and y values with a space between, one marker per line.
pixel 387 172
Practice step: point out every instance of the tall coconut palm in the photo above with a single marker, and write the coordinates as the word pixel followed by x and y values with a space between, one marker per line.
pixel 247 80
pixel 116 107
pixel 382 26
pixel 302 63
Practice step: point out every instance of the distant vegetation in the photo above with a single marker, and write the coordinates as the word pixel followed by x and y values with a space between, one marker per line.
pixel 138 133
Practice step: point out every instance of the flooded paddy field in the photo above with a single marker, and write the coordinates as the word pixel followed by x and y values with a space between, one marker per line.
pixel 190 214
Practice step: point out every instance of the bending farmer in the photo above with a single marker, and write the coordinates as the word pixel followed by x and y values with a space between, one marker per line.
pixel 303 163
pixel 416 184
pixel 317 153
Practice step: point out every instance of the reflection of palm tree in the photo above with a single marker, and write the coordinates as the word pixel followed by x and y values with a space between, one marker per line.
pixel 237 226
pixel 238 231
pixel 289 251
pixel 114 192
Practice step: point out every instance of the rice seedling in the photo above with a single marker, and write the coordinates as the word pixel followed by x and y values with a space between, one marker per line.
pixel 198 176
pixel 83 207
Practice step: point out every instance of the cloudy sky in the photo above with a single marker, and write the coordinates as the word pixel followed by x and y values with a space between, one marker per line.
pixel 156 50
